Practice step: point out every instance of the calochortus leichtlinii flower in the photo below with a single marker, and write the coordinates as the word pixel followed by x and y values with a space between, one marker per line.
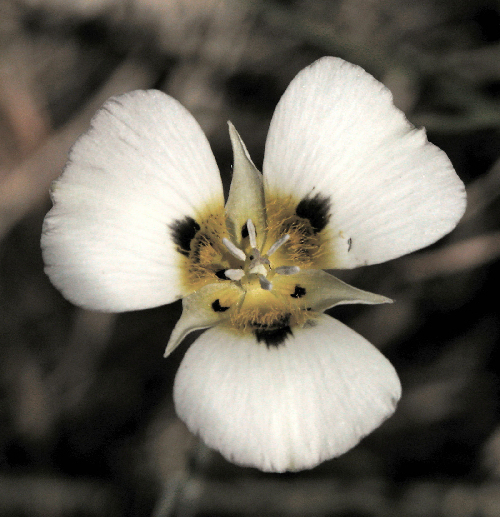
pixel 139 220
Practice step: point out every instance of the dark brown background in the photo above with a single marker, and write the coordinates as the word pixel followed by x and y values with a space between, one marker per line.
pixel 87 422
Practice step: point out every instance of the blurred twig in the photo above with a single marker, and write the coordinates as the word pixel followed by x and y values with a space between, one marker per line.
pixel 29 124
pixel 27 186
pixel 456 257
pixel 326 496
pixel 482 192
pixel 478 113
pixel 76 370
pixel 40 496
pixel 324 34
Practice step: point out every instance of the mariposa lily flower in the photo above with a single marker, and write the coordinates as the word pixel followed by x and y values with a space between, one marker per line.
pixel 139 220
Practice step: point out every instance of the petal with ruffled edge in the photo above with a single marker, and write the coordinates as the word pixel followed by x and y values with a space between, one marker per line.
pixel 339 145
pixel 288 407
pixel 130 199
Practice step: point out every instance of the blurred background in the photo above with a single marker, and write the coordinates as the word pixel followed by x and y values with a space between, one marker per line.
pixel 87 421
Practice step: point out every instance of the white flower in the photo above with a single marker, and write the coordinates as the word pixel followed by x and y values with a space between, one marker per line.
pixel 139 221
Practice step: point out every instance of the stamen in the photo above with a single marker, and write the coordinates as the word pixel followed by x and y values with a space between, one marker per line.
pixel 234 250
pixel 252 234
pixel 287 270
pixel 265 283
pixel 234 274
pixel 278 244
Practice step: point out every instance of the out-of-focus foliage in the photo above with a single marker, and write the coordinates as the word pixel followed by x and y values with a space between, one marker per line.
pixel 88 427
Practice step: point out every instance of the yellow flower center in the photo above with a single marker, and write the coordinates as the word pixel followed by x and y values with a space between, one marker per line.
pixel 262 295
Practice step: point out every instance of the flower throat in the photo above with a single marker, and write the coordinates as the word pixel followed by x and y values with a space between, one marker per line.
pixel 262 295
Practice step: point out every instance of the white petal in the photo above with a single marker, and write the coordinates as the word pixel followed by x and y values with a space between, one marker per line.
pixel 143 165
pixel 336 134
pixel 288 407
pixel 246 195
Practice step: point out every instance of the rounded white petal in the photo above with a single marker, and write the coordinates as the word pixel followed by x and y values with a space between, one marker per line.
pixel 336 134
pixel 286 407
pixel 143 165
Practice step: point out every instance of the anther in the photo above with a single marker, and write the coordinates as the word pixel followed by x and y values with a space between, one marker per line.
pixel 287 270
pixel 252 234
pixel 234 274
pixel 265 283
pixel 278 244
pixel 234 250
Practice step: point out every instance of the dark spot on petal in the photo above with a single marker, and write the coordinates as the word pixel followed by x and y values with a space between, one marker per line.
pixel 183 232
pixel 244 231
pixel 299 292
pixel 273 337
pixel 316 209
pixel 221 274
pixel 251 257
pixel 349 244
pixel 273 334
pixel 217 307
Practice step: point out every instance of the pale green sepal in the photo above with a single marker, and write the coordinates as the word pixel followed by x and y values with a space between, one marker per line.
pixel 198 313
pixel 324 291
pixel 246 194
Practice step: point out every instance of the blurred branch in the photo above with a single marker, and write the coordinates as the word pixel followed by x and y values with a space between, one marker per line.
pixel 83 9
pixel 173 492
pixel 478 113
pixel 476 66
pixel 27 186
pixel 57 497
pixel 324 34
pixel 28 122
pixel 460 256
pixel 326 496
pixel 482 192
pixel 77 368
pixel 477 110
